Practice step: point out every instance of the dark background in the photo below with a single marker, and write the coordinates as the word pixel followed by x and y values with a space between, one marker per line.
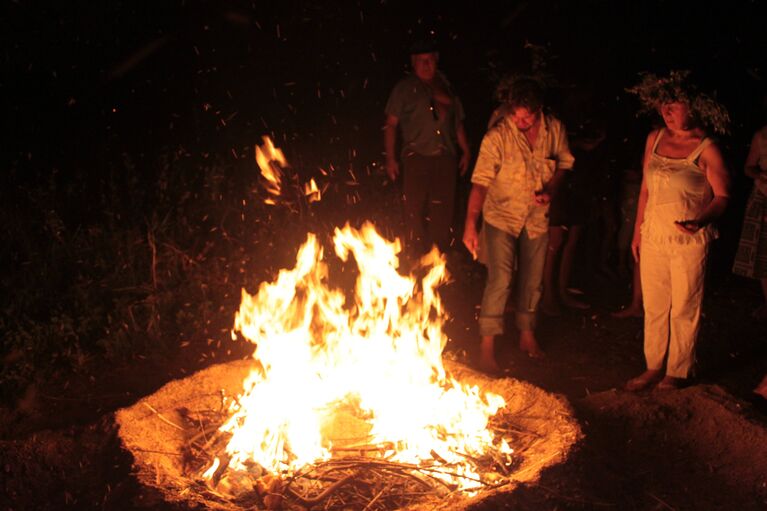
pixel 132 212
pixel 85 80
pixel 128 183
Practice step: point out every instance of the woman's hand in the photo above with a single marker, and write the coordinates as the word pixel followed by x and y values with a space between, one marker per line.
pixel 636 242
pixel 688 226
pixel 541 197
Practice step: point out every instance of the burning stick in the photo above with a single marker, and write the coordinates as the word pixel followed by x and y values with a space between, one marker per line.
pixel 271 160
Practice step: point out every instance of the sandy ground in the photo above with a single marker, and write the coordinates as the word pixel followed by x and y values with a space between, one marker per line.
pixel 702 447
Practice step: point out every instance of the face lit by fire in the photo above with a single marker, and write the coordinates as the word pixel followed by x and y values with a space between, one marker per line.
pixel 524 119
pixel 676 115
pixel 425 65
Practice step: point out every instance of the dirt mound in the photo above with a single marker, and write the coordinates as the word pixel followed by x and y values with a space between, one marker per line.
pixel 74 468
pixel 697 444
pixel 539 425
pixel 691 449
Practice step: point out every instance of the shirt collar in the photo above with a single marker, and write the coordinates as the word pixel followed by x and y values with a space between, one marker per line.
pixel 542 133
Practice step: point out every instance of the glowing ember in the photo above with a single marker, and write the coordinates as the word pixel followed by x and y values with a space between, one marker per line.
pixel 311 191
pixel 270 159
pixel 335 375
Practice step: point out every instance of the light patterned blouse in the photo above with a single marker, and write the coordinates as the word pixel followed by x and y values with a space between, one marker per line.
pixel 512 172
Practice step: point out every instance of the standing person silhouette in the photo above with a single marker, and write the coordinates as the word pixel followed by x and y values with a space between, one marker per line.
pixel 429 115
pixel 521 163
pixel 751 257
pixel 685 188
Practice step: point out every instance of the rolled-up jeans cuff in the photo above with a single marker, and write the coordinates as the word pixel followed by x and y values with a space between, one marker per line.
pixel 490 325
pixel 525 321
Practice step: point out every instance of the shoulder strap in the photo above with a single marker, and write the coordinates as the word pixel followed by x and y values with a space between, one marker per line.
pixel 694 155
pixel 657 139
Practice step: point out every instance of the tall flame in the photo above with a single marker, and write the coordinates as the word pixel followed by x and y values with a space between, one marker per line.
pixel 376 362
pixel 270 159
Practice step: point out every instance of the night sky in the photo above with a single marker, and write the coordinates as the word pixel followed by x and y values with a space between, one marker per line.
pixel 83 81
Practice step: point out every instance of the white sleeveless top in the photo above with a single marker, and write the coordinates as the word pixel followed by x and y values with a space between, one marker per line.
pixel 677 190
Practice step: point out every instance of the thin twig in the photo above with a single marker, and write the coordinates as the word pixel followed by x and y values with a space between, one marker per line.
pixel 374 499
pixel 313 501
pixel 534 467
pixel 153 248
pixel 661 502
pixel 157 452
pixel 162 418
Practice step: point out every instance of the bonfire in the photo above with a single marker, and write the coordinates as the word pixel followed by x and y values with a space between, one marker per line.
pixel 348 401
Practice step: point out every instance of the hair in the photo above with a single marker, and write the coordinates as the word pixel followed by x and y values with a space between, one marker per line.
pixel 655 91
pixel 423 45
pixel 522 92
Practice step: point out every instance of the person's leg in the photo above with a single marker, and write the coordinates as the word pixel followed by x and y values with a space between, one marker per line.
pixel 688 268
pixel 532 257
pixel 440 203
pixel 635 308
pixel 656 286
pixel 550 303
pixel 607 244
pixel 499 258
pixel 415 186
pixel 566 267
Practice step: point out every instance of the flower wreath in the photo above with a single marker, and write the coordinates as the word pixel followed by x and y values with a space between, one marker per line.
pixel 654 91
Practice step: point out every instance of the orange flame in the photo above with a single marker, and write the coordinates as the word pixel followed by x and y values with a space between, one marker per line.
pixel 270 159
pixel 312 192
pixel 375 364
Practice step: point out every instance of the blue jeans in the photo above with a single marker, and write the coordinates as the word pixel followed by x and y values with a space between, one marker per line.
pixel 501 249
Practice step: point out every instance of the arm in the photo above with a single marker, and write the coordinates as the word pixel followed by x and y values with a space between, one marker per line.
pixel 565 161
pixel 476 201
pixel 751 167
pixel 636 241
pixel 486 168
pixel 390 142
pixel 463 143
pixel 543 196
pixel 712 163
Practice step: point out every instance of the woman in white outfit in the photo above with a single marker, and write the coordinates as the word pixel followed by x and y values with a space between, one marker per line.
pixel 685 188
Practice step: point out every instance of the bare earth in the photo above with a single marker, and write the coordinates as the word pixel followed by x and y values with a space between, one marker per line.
pixel 702 447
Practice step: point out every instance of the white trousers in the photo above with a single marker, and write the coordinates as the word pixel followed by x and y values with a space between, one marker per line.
pixel 672 288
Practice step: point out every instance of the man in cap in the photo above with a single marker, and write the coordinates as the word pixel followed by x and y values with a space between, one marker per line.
pixel 429 115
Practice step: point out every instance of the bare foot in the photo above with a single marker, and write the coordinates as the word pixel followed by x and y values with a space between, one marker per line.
pixel 529 345
pixel 487 363
pixel 644 380
pixel 489 366
pixel 670 383
pixel 761 389
pixel 573 303
pixel 632 311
